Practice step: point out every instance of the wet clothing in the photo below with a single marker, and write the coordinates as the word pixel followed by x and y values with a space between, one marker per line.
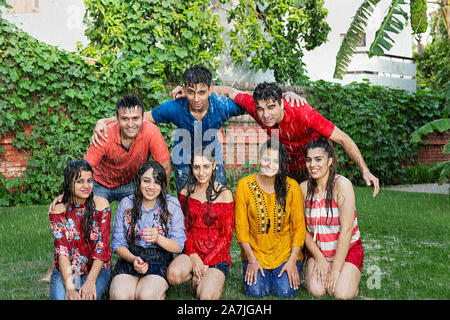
pixel 69 238
pixel 299 126
pixel 261 222
pixel 325 229
pixel 209 235
pixel 114 166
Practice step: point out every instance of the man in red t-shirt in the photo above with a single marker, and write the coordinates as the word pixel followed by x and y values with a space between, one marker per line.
pixel 295 127
pixel 132 141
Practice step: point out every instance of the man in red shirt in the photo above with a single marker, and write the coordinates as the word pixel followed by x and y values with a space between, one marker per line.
pixel 132 140
pixel 295 127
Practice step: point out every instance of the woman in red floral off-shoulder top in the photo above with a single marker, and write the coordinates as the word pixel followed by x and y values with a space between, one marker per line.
pixel 80 227
pixel 208 209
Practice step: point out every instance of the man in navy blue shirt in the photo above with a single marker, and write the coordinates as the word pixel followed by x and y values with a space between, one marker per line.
pixel 198 116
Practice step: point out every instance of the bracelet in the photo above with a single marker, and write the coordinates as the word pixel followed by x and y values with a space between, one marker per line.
pixel 251 262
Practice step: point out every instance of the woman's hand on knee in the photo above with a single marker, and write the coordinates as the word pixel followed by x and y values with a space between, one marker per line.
pixel 290 267
pixel 88 291
pixel 72 294
pixel 198 267
pixel 251 275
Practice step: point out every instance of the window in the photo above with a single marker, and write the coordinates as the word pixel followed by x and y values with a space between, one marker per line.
pixel 24 6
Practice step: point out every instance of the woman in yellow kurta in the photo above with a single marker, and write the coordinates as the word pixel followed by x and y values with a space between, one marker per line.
pixel 270 226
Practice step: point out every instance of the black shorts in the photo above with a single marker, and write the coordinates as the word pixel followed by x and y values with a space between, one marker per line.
pixel 157 258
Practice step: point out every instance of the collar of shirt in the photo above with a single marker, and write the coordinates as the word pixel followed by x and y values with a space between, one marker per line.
pixel 210 113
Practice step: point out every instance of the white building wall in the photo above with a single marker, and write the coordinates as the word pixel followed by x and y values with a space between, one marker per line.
pixel 56 22
pixel 59 23
pixel 321 61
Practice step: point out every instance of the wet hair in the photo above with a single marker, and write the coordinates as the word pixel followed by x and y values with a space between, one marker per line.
pixel 280 177
pixel 267 91
pixel 129 102
pixel 71 174
pixel 212 190
pixel 197 74
pixel 159 174
pixel 324 144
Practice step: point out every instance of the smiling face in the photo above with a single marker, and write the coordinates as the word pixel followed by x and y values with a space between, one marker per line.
pixel 198 96
pixel 270 112
pixel 269 162
pixel 202 168
pixel 83 186
pixel 130 122
pixel 150 189
pixel 318 163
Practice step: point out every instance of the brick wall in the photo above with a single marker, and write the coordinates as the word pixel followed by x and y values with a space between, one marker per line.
pixel 433 148
pixel 241 140
pixel 13 163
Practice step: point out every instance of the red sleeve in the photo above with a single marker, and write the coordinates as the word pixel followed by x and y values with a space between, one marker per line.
pixel 158 146
pixel 94 155
pixel 58 228
pixel 245 101
pixel 188 244
pixel 226 234
pixel 100 235
pixel 313 119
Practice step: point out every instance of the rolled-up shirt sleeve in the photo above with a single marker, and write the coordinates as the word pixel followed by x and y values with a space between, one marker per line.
pixel 119 235
pixel 176 225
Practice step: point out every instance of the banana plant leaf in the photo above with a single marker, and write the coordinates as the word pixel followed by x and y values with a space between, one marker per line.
pixel 394 22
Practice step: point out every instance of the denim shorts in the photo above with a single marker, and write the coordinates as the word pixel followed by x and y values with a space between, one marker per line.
pixel 157 258
pixel 222 266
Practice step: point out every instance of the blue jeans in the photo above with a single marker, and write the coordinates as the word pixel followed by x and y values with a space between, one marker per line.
pixel 182 175
pixel 271 283
pixel 58 289
pixel 114 194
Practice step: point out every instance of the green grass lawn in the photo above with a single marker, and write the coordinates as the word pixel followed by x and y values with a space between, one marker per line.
pixel 405 239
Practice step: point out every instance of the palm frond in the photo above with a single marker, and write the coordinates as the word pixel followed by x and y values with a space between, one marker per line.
pixel 392 23
pixel 353 36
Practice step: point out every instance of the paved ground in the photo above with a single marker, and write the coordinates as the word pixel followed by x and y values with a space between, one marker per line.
pixel 427 188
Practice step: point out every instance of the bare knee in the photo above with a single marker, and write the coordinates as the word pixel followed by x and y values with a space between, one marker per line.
pixel 208 295
pixel 122 288
pixel 117 293
pixel 315 289
pixel 150 295
pixel 345 293
pixel 177 276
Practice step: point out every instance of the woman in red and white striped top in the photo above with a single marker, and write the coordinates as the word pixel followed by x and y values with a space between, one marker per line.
pixel 334 249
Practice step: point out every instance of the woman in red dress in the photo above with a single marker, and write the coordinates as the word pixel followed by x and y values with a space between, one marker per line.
pixel 208 209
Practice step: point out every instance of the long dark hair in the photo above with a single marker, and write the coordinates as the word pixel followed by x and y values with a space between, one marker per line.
pixel 324 144
pixel 280 177
pixel 71 174
pixel 212 190
pixel 159 174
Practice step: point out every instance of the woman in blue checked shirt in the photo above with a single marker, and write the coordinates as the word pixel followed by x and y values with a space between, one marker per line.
pixel 148 229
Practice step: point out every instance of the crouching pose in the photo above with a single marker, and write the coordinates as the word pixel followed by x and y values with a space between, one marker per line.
pixel 80 225
pixel 208 208
pixel 334 249
pixel 148 229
